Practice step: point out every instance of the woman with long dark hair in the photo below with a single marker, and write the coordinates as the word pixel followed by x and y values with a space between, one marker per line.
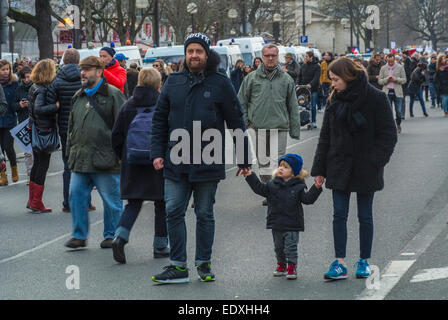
pixel 43 117
pixel 441 81
pixel 356 141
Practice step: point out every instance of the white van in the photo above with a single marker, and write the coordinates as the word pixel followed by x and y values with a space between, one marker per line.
pixel 281 54
pixel 301 52
pixel 250 47
pixel 167 54
pixel 229 56
pixel 132 52
pixel 11 57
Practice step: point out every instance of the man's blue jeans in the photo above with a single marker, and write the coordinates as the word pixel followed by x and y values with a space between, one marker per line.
pixel 177 197
pixel 341 202
pixel 108 186
pixel 314 98
pixel 420 98
pixel 433 93
pixel 397 103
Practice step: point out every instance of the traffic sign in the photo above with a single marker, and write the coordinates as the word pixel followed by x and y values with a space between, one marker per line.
pixel 303 39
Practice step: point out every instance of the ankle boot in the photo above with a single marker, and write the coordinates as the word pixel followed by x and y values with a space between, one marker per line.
pixel 30 194
pixel 3 179
pixel 14 173
pixel 37 204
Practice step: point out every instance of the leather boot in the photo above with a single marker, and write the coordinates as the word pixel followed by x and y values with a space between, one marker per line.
pixel 14 173
pixel 3 179
pixel 31 194
pixel 37 204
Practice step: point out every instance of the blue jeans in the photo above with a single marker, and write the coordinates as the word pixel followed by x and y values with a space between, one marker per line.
pixel 444 98
pixel 420 98
pixel 314 98
pixel 108 186
pixel 341 201
pixel 177 197
pixel 397 103
pixel 433 93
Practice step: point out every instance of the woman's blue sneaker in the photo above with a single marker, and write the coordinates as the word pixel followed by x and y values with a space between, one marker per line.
pixel 363 269
pixel 337 271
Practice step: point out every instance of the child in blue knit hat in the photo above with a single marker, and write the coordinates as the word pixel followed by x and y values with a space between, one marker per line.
pixel 285 194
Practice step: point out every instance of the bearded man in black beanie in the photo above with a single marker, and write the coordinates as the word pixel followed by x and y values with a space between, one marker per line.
pixel 199 93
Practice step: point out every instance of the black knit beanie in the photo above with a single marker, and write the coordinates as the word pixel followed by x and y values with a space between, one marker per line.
pixel 200 38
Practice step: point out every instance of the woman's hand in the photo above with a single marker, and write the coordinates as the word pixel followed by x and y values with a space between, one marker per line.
pixel 158 163
pixel 319 181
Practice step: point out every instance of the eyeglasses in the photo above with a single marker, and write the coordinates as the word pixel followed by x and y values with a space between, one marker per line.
pixel 270 56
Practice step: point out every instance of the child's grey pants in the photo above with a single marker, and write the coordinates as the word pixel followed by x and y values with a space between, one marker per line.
pixel 285 245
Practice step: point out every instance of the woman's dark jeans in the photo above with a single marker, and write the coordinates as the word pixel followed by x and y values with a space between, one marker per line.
pixel 130 214
pixel 7 145
pixel 341 202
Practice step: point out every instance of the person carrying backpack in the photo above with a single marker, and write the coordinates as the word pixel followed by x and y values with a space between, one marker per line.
pixel 139 180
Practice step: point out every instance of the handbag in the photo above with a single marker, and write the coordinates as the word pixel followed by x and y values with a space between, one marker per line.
pixel 102 159
pixel 44 139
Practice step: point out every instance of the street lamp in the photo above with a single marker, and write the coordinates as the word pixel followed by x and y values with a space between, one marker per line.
pixel 11 37
pixel 232 14
pixel 192 9
pixel 276 26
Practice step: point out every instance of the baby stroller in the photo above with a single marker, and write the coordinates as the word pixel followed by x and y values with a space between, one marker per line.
pixel 304 99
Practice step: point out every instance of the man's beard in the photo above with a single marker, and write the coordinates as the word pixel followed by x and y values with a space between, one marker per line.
pixel 198 67
pixel 88 83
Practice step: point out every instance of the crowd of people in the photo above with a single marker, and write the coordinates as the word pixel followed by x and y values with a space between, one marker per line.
pixel 97 110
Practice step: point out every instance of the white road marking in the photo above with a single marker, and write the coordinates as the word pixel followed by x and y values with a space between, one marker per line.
pixel 48 175
pixel 393 272
pixel 430 274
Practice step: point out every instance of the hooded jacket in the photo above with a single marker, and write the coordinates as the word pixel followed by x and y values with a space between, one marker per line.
pixel 357 139
pixel 116 75
pixel 42 114
pixel 285 211
pixel 208 97
pixel 62 89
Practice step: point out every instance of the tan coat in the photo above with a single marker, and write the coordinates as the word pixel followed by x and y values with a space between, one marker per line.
pixel 398 73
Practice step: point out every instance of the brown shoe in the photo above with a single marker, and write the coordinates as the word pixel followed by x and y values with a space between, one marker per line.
pixel 14 173
pixel 399 129
pixel 76 243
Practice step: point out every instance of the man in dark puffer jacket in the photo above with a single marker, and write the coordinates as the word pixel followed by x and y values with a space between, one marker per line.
pixel 63 88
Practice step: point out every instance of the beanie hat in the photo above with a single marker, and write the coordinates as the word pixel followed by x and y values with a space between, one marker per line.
pixel 200 38
pixel 109 50
pixel 295 162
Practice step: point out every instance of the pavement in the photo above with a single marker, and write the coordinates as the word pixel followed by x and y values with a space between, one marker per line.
pixel 410 241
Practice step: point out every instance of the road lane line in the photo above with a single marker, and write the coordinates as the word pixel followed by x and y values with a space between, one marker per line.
pixel 48 175
pixel 43 245
pixel 395 270
pixel 430 274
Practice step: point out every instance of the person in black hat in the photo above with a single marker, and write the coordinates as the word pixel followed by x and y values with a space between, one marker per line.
pixel 187 97
pixel 113 72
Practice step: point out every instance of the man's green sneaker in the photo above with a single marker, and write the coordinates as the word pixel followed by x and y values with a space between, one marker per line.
pixel 204 272
pixel 172 274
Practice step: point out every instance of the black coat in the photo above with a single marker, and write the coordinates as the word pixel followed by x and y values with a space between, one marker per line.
pixel 42 114
pixel 62 89
pixel 441 81
pixel 293 70
pixel 373 71
pixel 136 181
pixel 417 80
pixel 132 79
pixel 285 211
pixel 22 93
pixel 310 74
pixel 209 98
pixel 357 139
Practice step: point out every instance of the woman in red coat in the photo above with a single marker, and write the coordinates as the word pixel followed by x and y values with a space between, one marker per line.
pixel 114 73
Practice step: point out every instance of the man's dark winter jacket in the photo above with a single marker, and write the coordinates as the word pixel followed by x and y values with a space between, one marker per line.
pixel 132 79
pixel 209 98
pixel 373 71
pixel 42 114
pixel 310 74
pixel 136 181
pixel 357 139
pixel 62 89
pixel 22 93
pixel 285 211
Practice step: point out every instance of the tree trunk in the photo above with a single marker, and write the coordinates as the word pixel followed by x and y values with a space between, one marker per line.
pixel 44 30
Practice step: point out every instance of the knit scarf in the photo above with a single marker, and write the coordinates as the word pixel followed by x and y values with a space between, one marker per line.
pixel 270 74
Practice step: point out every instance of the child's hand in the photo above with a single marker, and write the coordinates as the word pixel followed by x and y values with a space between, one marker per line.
pixel 244 172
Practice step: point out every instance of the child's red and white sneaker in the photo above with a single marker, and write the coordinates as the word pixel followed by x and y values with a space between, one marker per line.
pixel 291 271
pixel 281 269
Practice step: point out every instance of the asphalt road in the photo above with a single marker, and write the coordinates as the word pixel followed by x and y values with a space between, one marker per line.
pixel 410 210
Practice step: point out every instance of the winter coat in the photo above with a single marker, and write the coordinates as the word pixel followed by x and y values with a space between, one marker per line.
pixel 270 104
pixel 41 113
pixel 88 134
pixel 136 181
pixel 293 70
pixel 236 76
pixel 285 211
pixel 116 75
pixel 132 79
pixel 3 105
pixel 310 74
pixel 62 89
pixel 324 78
pixel 22 93
pixel 9 119
pixel 431 73
pixel 417 80
pixel 208 97
pixel 357 139
pixel 399 73
pixel 373 71
pixel 441 81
